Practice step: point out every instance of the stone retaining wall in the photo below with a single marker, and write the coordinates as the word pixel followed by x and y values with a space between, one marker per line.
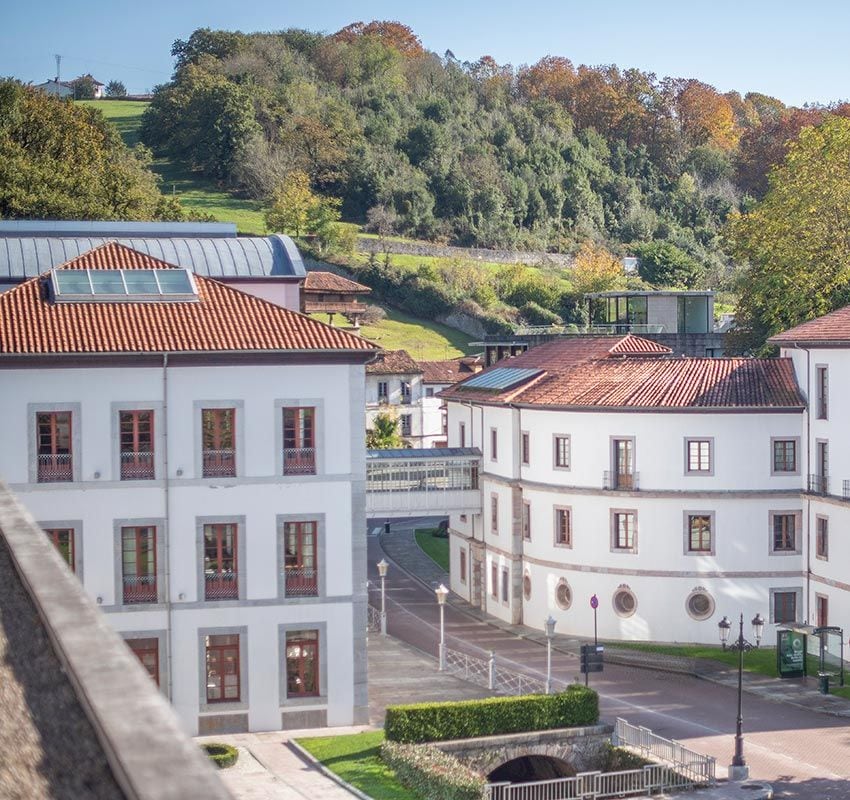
pixel 534 258
pixel 582 748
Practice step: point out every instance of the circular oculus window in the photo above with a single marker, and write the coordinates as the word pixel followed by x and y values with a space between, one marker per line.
pixel 563 594
pixel 700 605
pixel 526 586
pixel 625 602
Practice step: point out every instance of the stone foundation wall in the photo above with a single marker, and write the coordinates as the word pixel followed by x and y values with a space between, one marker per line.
pixel 582 748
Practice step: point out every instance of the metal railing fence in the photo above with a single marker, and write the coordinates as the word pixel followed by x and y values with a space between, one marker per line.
pixel 593 785
pixel 54 467
pixel 695 766
pixel 299 461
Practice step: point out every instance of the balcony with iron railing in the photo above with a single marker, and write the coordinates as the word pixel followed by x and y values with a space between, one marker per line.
pixel 301 581
pixel 299 461
pixel 137 466
pixel 819 484
pixel 221 586
pixel 55 467
pixel 219 463
pixel 140 589
pixel 623 481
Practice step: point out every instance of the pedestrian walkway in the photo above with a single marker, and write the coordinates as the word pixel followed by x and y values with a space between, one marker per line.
pixel 400 545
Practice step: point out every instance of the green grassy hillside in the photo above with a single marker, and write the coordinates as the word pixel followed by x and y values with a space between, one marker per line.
pixel 195 193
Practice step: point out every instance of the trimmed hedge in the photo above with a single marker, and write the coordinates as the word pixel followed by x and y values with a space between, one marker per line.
pixel 431 773
pixel 222 755
pixel 436 722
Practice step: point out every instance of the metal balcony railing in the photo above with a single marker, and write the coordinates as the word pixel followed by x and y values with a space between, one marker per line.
pixel 140 589
pixel 55 467
pixel 137 466
pixel 301 582
pixel 299 461
pixel 221 586
pixel 819 484
pixel 219 463
pixel 627 481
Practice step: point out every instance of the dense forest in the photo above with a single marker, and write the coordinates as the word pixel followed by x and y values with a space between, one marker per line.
pixel 545 156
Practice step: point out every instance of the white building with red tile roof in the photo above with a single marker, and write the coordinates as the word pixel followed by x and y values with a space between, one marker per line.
pixel 196 453
pixel 671 488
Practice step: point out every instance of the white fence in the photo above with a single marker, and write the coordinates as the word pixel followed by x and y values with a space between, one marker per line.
pixel 487 672
pixel 593 785
pixel 698 768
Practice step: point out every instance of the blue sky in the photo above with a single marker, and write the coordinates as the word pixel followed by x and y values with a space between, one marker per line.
pixel 795 51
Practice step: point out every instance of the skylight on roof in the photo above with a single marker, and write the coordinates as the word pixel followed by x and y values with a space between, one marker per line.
pixel 501 378
pixel 123 285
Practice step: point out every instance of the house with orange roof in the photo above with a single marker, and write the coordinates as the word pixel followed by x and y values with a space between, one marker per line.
pixel 672 489
pixel 196 455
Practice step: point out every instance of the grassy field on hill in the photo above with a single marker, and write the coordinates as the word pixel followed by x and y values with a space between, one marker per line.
pixel 423 339
pixel 195 193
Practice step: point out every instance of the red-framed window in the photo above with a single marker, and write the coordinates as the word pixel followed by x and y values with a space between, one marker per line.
pixel 302 663
pixel 822 538
pixel 55 456
pixel 463 565
pixel 624 530
pixel 525 448
pixel 138 563
pixel 506 578
pixel 221 576
pixel 218 432
pixel 300 543
pixel 63 541
pixel 147 651
pixel 299 441
pixel 223 668
pixel 137 445
pixel 784 532
pixel 699 533
pixel 494 513
pixel 784 607
pixel 494 579
pixel 563 526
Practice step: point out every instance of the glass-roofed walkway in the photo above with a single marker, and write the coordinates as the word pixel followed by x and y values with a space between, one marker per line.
pixel 417 482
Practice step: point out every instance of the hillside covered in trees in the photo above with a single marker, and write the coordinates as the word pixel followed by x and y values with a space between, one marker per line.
pixel 545 156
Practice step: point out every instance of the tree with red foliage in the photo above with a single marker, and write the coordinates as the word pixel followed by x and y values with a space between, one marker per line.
pixel 393 34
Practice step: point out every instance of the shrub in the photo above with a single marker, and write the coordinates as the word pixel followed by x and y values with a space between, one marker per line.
pixel 431 773
pixel 534 314
pixel 434 722
pixel 222 755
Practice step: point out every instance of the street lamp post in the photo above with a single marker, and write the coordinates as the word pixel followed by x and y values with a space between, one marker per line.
pixel 549 625
pixel 442 593
pixel 739 771
pixel 383 566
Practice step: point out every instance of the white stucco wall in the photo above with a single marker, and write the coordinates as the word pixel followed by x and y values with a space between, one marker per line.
pixel 258 495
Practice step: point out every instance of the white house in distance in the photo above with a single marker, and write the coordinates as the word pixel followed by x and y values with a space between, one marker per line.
pixel 196 454
pixel 672 488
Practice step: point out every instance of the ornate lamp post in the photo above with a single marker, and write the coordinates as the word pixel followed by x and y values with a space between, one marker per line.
pixel 383 566
pixel 442 593
pixel 739 771
pixel 549 625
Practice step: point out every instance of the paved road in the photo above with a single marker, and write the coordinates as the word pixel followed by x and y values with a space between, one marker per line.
pixel 804 754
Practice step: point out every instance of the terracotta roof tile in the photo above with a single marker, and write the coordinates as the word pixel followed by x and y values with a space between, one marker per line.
pixel 223 320
pixel 452 370
pixel 393 362
pixel 829 329
pixel 331 282
pixel 586 374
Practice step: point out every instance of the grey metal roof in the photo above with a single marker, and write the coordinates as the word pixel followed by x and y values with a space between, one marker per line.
pixel 275 256
pixel 143 230
pixel 418 454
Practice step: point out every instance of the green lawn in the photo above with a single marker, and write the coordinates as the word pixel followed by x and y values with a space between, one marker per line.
pixel 761 661
pixel 126 115
pixel 356 759
pixel 423 339
pixel 436 547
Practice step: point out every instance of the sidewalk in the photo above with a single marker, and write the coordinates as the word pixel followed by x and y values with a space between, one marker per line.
pixel 401 547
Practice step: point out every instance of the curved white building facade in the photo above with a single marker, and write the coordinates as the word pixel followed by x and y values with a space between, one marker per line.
pixel 675 490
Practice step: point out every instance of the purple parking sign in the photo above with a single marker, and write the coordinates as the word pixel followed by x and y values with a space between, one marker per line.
pixel 594 602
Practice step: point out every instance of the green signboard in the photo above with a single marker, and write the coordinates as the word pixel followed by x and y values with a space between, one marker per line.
pixel 791 654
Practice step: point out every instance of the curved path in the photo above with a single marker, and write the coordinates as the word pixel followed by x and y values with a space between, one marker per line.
pixel 805 754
